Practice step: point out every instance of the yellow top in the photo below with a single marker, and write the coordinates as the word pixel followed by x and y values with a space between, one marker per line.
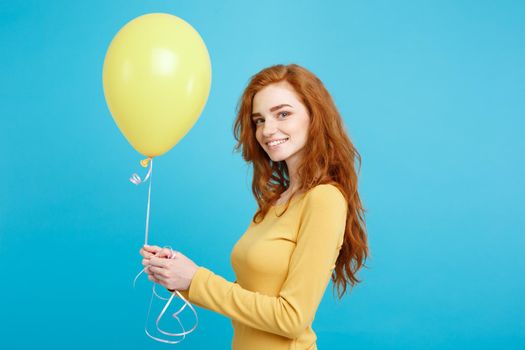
pixel 283 266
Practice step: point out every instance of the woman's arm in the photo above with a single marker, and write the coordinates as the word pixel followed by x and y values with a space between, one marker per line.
pixel 319 239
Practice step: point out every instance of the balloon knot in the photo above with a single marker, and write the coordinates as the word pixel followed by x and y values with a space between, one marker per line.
pixel 145 162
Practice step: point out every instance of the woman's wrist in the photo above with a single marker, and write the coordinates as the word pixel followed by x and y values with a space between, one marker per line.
pixel 193 276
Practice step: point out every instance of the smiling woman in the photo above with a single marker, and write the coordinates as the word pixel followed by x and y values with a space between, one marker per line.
pixel 281 130
pixel 309 226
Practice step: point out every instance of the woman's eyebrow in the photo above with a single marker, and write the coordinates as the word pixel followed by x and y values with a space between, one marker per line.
pixel 273 109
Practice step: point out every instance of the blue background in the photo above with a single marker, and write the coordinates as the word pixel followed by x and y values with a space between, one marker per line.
pixel 432 96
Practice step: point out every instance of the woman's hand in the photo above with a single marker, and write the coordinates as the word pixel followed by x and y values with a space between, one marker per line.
pixel 173 274
pixel 148 252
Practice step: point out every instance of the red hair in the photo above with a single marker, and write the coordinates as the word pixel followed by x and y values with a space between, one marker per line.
pixel 329 158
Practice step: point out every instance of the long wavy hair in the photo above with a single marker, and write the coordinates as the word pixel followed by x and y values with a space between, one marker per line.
pixel 329 158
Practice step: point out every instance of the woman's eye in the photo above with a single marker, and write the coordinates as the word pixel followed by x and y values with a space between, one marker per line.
pixel 256 121
pixel 285 113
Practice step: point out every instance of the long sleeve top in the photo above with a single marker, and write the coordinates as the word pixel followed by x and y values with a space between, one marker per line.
pixel 283 266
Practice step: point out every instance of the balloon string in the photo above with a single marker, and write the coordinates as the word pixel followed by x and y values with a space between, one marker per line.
pixel 159 317
pixel 135 179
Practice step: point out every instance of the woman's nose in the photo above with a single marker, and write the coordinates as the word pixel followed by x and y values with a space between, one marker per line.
pixel 269 128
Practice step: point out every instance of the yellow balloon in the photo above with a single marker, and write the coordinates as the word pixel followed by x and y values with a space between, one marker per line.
pixel 156 78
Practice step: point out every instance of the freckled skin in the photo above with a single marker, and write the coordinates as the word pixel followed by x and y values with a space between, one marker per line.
pixel 287 122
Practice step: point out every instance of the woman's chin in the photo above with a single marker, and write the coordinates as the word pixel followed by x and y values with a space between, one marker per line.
pixel 276 158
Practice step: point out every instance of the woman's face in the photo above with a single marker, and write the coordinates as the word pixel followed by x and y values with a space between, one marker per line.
pixel 281 122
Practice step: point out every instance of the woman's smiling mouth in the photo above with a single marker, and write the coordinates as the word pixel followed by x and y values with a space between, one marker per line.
pixel 275 143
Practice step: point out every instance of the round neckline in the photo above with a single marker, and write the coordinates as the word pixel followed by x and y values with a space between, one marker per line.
pixel 294 198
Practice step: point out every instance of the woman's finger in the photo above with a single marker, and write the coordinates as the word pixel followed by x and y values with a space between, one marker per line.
pixel 160 278
pixel 160 262
pixel 164 253
pixel 145 253
pixel 157 271
pixel 152 248
pixel 153 279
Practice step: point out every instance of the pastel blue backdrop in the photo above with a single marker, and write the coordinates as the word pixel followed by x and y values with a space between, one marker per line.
pixel 431 93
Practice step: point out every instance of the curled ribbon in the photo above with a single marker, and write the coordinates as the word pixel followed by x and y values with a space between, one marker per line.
pixel 135 179
pixel 186 303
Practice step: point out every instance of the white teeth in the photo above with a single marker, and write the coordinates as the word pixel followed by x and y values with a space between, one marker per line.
pixel 277 142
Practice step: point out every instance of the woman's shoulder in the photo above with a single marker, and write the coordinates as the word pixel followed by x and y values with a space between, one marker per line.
pixel 326 194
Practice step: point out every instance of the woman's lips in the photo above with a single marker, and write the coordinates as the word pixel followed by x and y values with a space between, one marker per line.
pixel 278 144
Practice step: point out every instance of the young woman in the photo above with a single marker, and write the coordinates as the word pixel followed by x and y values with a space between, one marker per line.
pixel 308 228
